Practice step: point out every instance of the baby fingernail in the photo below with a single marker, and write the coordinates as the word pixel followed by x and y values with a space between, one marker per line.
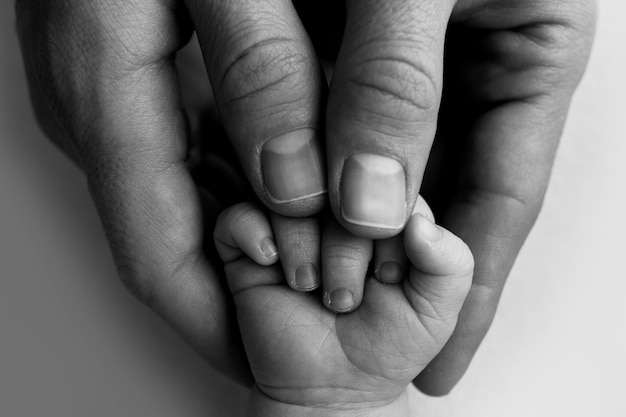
pixel 373 189
pixel 268 248
pixel 430 231
pixel 307 277
pixel 293 166
pixel 389 272
pixel 340 300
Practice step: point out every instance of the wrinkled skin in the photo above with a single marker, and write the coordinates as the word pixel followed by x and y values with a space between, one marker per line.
pixel 304 356
pixel 491 105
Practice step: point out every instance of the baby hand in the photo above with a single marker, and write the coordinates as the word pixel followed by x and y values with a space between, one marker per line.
pixel 308 361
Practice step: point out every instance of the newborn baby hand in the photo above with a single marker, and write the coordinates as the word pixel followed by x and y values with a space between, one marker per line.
pixel 308 361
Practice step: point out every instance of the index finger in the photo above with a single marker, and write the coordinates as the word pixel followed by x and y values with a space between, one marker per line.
pixel 268 89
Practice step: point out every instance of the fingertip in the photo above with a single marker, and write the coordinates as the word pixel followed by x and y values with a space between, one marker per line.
pixel 390 261
pixel 372 195
pixel 299 243
pixel 293 168
pixel 306 278
pixel 436 251
pixel 345 261
pixel 422 207
pixel 420 237
pixel 244 229
pixel 305 207
pixel 434 385
pixel 269 88
pixel 268 250
pixel 369 232
pixel 389 272
pixel 340 300
pixel 422 230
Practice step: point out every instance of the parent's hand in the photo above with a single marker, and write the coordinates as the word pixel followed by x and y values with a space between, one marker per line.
pixel 508 73
pixel 105 88
pixel 105 68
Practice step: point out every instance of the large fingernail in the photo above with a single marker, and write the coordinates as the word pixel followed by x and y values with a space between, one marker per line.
pixel 340 300
pixel 307 277
pixel 373 191
pixel 293 166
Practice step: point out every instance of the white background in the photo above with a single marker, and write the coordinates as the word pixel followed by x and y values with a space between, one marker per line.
pixel 74 343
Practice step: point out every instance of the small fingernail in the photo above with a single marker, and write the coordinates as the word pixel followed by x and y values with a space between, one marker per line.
pixel 373 191
pixel 429 230
pixel 389 272
pixel 307 277
pixel 340 300
pixel 268 248
pixel 293 166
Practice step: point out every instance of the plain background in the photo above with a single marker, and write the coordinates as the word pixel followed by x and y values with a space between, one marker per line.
pixel 74 343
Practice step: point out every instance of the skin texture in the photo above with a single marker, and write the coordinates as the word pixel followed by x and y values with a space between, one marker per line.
pixel 306 359
pixel 486 112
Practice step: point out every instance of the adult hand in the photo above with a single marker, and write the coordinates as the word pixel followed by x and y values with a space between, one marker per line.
pixel 105 69
pixel 106 89
pixel 507 74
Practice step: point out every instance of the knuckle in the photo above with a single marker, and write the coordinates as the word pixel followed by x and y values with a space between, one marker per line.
pixel 244 214
pixel 299 244
pixel 274 68
pixel 238 219
pixel 233 214
pixel 301 237
pixel 343 256
pixel 397 85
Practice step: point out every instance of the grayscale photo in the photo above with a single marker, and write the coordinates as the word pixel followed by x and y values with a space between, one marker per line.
pixel 292 208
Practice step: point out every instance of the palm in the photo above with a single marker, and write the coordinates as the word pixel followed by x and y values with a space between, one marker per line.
pixel 299 352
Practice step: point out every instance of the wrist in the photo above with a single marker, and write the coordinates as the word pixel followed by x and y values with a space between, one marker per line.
pixel 261 405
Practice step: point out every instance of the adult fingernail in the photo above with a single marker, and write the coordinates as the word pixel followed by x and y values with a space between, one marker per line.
pixel 429 230
pixel 268 248
pixel 373 191
pixel 390 272
pixel 307 277
pixel 340 300
pixel 293 166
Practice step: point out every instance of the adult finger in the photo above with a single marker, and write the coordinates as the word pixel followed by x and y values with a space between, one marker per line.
pixel 345 261
pixel 382 111
pixel 113 87
pixel 269 91
pixel 299 246
pixel 525 87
